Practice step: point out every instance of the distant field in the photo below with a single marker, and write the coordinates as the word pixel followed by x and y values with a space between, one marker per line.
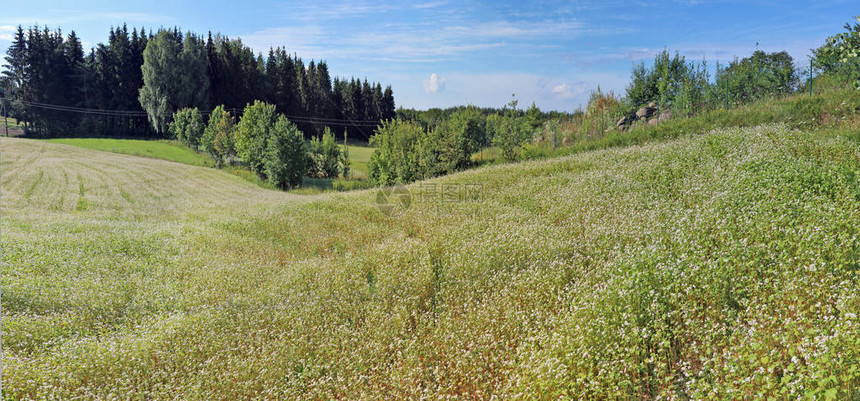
pixel 360 156
pixel 163 149
pixel 722 265
pixel 177 152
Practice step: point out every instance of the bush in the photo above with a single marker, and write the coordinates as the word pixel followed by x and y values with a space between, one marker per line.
pixel 252 134
pixel 510 134
pixel 838 50
pixel 345 162
pixel 325 159
pixel 396 158
pixel 455 140
pixel 187 126
pixel 663 81
pixel 285 156
pixel 761 75
pixel 603 110
pixel 670 83
pixel 218 137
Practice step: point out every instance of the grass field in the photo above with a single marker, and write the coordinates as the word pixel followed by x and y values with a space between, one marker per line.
pixel 359 157
pixel 163 149
pixel 720 265
pixel 177 152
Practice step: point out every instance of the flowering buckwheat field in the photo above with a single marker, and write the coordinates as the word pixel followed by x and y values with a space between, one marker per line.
pixel 723 265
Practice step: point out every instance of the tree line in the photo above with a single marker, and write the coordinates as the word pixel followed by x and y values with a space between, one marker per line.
pixel 265 141
pixel 424 144
pixel 132 85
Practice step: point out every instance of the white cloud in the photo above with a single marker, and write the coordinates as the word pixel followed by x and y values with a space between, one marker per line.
pixel 7 32
pixel 517 30
pixel 494 89
pixel 309 42
pixel 432 4
pixel 564 91
pixel 73 16
pixel 434 84
pixel 439 33
pixel 326 11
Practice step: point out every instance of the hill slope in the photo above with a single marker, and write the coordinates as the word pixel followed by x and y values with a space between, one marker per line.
pixel 720 265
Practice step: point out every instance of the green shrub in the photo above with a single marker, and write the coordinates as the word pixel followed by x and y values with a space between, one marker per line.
pixel 187 126
pixel 285 157
pixel 665 80
pixel 839 50
pixel 218 137
pixel 758 76
pixel 396 155
pixel 601 113
pixel 252 134
pixel 325 159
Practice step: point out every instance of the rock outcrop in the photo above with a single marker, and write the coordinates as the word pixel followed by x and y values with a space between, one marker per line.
pixel 646 114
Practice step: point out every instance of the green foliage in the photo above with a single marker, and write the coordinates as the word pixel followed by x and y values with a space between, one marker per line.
pixel 533 117
pixel 285 156
pixel 840 54
pixel 760 75
pixel 601 113
pixel 839 49
pixel 406 151
pixel 187 127
pixel 219 135
pixel 252 134
pixel 179 70
pixel 345 161
pixel 396 153
pixel 663 81
pixel 509 132
pixel 453 141
pixel 174 76
pixel 326 159
pixel 719 265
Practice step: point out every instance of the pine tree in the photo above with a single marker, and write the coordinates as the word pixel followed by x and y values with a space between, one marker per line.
pixel 13 77
pixel 388 107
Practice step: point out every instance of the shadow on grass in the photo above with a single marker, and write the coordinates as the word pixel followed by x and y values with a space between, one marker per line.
pixel 318 185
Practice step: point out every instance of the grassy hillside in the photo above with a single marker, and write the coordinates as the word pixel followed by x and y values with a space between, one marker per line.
pixel 177 152
pixel 722 265
pixel 165 150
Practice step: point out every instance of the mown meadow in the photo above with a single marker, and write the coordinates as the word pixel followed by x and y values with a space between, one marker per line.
pixel 176 151
pixel 721 264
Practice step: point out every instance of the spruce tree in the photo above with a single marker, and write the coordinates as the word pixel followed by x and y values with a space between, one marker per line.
pixel 13 77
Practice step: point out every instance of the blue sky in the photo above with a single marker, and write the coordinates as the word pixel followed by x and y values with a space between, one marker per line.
pixel 444 53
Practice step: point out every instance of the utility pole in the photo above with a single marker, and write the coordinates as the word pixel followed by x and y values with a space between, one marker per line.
pixel 810 78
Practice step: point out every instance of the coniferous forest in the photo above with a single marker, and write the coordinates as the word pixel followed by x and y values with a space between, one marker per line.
pixel 132 85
